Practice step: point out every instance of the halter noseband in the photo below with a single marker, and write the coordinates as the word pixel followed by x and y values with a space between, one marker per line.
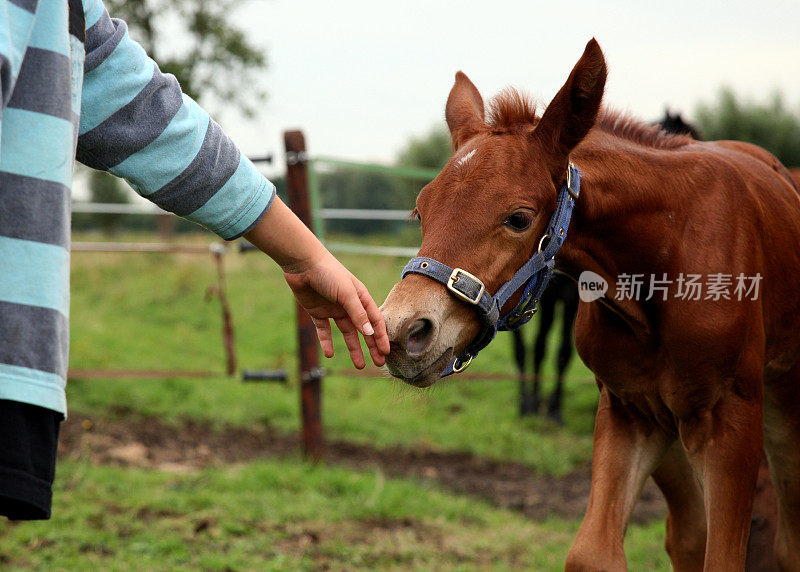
pixel 532 277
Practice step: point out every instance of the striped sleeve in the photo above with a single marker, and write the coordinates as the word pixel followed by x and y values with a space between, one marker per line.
pixel 16 25
pixel 137 124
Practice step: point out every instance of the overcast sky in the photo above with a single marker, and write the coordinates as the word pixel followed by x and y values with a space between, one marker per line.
pixel 360 77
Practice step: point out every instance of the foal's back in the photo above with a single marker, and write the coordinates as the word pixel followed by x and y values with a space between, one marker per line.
pixel 772 201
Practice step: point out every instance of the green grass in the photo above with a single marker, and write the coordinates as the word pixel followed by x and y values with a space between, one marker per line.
pixel 284 515
pixel 148 311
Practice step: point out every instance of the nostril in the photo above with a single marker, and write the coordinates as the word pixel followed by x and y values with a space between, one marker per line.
pixel 419 336
pixel 419 329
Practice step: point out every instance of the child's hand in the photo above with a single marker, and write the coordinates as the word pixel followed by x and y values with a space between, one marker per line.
pixel 324 287
pixel 328 290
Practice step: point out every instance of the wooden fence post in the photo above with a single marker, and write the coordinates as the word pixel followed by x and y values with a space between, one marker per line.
pixel 310 372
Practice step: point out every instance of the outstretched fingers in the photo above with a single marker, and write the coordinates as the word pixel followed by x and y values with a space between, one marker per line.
pixel 352 304
pixel 325 336
pixel 364 313
pixel 380 337
pixel 378 358
pixel 354 311
pixel 351 340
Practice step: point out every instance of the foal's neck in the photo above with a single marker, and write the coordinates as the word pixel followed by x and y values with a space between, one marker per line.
pixel 621 220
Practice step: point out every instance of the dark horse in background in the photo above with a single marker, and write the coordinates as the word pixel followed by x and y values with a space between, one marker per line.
pixel 563 291
pixel 674 123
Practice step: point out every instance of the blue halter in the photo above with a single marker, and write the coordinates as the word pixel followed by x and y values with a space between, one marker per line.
pixel 532 278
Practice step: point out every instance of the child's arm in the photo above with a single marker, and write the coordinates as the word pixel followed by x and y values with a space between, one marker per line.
pixel 136 124
pixel 322 285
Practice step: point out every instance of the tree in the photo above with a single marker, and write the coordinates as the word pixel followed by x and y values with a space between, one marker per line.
pixel 349 187
pixel 430 151
pixel 770 125
pixel 214 57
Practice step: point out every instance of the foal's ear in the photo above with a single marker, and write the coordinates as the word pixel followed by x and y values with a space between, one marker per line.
pixel 464 111
pixel 574 109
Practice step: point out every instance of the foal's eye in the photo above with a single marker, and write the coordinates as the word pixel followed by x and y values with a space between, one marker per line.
pixel 519 221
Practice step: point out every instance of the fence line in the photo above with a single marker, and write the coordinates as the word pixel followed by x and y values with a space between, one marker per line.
pixel 323 213
pixel 213 248
pixel 364 214
pixel 327 214
pixel 318 213
pixel 139 373
pixel 117 208
pixel 303 186
pixel 217 250
pixel 410 172
pixel 354 248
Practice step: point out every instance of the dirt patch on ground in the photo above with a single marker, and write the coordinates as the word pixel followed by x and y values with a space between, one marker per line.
pixel 147 442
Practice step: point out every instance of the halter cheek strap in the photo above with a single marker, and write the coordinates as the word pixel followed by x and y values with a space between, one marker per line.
pixel 532 278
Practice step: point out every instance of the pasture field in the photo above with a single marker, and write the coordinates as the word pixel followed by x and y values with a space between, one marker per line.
pixel 148 311
pixel 277 512
pixel 282 515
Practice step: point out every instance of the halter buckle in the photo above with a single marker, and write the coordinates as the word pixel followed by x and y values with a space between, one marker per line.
pixel 462 289
pixel 569 182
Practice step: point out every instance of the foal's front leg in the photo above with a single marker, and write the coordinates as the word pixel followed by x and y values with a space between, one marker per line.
pixel 686 520
pixel 627 448
pixel 724 444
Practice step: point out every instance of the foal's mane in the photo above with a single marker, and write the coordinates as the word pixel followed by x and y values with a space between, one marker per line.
pixel 512 110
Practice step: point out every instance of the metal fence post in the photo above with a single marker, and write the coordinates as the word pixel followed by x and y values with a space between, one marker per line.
pixel 310 372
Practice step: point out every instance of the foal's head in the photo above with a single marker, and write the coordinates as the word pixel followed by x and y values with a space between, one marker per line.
pixel 487 210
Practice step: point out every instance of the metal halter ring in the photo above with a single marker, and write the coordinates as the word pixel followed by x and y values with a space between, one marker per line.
pixel 541 241
pixel 459 366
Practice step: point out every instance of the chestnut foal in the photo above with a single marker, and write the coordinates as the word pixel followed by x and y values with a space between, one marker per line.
pixel 690 389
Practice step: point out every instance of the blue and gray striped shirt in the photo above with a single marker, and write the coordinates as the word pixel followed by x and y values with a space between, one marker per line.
pixel 73 82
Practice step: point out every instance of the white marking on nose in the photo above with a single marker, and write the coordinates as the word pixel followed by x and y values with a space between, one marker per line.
pixel 463 160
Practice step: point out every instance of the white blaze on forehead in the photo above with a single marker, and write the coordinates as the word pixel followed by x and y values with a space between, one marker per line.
pixel 463 160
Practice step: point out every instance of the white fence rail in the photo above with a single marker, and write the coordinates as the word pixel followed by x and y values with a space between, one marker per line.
pixel 328 214
pixel 116 208
pixel 324 214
